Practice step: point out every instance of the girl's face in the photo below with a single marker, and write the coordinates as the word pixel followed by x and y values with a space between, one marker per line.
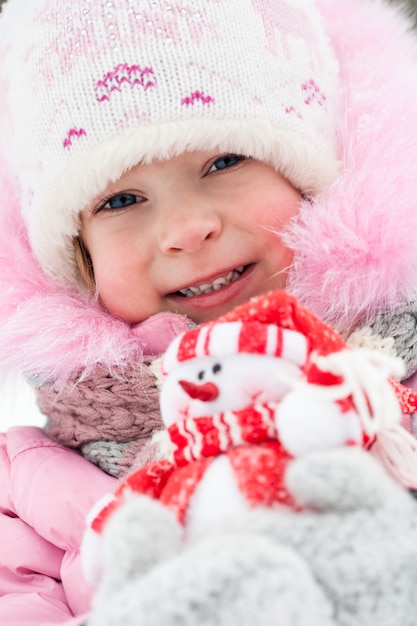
pixel 192 235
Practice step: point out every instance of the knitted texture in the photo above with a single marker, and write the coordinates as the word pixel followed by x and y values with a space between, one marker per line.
pixel 350 560
pixel 120 81
pixel 396 330
pixel 108 416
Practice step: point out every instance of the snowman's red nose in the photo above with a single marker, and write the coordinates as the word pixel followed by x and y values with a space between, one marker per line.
pixel 206 392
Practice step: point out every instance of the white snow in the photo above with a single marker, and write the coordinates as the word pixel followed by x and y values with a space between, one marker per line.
pixel 18 406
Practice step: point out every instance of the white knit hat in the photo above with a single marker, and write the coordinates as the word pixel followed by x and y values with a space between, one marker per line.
pixel 93 87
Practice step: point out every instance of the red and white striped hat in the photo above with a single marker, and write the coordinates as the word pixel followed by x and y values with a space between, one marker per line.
pixel 274 324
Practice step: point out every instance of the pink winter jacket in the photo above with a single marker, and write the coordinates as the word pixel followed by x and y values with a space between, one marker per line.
pixel 45 493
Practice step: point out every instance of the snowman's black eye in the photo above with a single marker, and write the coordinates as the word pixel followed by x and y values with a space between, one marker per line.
pixel 216 368
pixel 200 375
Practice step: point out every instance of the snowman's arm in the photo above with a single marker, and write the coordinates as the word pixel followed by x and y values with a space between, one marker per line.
pixel 308 422
pixel 149 481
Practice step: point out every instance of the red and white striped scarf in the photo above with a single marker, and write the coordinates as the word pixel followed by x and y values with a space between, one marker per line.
pixel 202 437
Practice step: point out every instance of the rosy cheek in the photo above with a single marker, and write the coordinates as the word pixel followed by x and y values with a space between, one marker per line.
pixel 114 261
pixel 113 282
pixel 286 209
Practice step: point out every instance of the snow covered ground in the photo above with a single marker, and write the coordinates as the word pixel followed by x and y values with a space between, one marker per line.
pixel 18 406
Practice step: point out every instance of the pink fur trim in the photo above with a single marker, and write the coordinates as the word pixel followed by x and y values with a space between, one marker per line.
pixel 45 328
pixel 355 248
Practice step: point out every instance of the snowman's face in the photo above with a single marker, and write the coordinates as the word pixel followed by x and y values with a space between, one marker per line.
pixel 210 385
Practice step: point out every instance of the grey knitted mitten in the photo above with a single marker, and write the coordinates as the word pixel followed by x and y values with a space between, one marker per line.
pixel 223 579
pixel 348 557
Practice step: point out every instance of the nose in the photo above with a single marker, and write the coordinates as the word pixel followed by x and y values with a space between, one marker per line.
pixel 206 392
pixel 187 226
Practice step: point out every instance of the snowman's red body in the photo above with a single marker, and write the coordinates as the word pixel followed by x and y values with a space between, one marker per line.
pixel 245 395
pixel 222 465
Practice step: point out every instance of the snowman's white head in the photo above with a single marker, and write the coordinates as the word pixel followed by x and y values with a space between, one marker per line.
pixel 210 385
pixel 229 366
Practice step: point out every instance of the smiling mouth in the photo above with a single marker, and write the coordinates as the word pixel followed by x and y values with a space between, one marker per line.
pixel 216 285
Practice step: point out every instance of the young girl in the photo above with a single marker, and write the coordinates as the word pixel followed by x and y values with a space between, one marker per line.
pixel 162 162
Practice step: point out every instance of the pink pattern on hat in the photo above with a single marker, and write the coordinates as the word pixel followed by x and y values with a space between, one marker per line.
pixel 132 116
pixel 287 20
pixel 164 22
pixel 197 21
pixel 197 96
pixel 124 74
pixel 74 132
pixel 161 26
pixel 313 93
pixel 80 38
pixel 293 111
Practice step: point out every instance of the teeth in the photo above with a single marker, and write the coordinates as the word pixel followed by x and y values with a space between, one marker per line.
pixel 216 285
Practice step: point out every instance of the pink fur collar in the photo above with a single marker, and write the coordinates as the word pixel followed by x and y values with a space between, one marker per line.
pixel 46 329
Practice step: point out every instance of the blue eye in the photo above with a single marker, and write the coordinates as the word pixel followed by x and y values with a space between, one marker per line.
pixel 226 161
pixel 121 201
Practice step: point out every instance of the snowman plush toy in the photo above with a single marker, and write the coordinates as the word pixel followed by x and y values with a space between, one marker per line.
pixel 283 499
